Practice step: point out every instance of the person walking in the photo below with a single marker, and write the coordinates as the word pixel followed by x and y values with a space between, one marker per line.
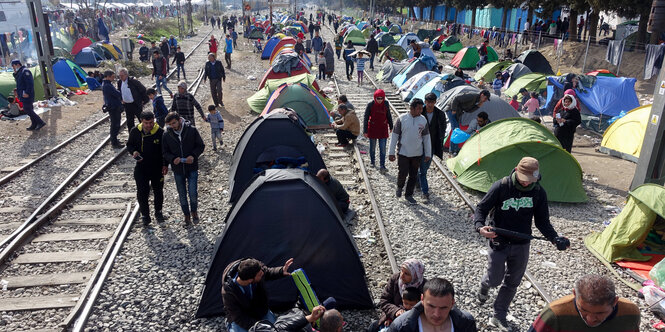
pixel 184 103
pixel 212 44
pixel 228 50
pixel 234 36
pixel 145 146
pixel 373 49
pixel 348 59
pixel 159 72
pixel 377 123
pixel 179 60
pixel 436 122
pixel 214 70
pixel 112 106
pixel 181 146
pixel 515 200
pixel 216 122
pixel 173 45
pixel 566 122
pixel 158 107
pixel 411 133
pixel 166 52
pixel 25 91
pixel 134 96
pixel 317 43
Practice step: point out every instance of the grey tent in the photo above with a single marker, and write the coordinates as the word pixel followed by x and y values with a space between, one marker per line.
pixel 496 108
pixel 288 213
pixel 516 70
pixel 270 137
pixel 536 62
pixel 390 69
pixel 384 39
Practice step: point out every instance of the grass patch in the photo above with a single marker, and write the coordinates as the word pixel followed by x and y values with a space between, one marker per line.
pixel 154 30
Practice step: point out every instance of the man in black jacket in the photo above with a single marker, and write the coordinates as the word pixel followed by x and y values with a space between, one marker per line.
pixel 181 146
pixel 134 96
pixel 435 312
pixel 184 104
pixel 113 106
pixel 179 60
pixel 145 146
pixel 244 292
pixel 166 52
pixel 373 49
pixel 436 121
pixel 293 321
pixel 515 200
pixel 215 72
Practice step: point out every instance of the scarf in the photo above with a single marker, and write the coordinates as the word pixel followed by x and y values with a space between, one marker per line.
pixel 416 269
pixel 572 105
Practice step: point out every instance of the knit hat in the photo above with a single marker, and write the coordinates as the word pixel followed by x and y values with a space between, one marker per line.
pixel 527 169
pixel 182 84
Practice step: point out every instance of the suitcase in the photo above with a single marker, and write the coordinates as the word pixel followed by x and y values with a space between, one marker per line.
pixel 306 293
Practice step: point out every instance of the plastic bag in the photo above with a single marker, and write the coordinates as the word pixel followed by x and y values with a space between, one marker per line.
pixel 657 273
pixel 459 136
pixel 655 298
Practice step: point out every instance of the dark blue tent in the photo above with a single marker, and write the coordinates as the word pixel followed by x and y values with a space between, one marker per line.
pixel 270 45
pixel 287 213
pixel 93 84
pixel 88 57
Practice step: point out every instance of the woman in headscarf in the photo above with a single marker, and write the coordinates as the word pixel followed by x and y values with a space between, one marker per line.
pixel 212 45
pixel 410 275
pixel 559 104
pixel 329 54
pixel 566 122
pixel 376 125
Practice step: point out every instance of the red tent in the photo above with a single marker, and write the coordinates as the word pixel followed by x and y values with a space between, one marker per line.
pixel 80 44
pixel 271 74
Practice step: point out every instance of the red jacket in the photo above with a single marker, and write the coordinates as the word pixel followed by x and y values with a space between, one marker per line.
pixel 377 117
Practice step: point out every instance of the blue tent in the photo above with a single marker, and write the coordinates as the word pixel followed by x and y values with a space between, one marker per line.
pixel 270 45
pixel 607 97
pixel 88 57
pixel 69 75
pixel 424 63
pixel 436 85
pixel 424 51
pixel 93 84
pixel 406 39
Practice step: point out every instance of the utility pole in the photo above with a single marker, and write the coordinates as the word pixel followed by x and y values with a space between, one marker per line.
pixel 43 44
pixel 205 11
pixel 190 21
pixel 270 5
pixel 180 27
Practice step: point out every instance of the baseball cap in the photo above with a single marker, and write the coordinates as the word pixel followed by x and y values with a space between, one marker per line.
pixel 527 169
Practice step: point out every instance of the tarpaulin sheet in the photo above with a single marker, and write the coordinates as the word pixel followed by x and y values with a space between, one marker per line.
pixel 609 96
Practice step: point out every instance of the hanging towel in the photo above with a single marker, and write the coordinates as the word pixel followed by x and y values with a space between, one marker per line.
pixel 653 60
pixel 614 51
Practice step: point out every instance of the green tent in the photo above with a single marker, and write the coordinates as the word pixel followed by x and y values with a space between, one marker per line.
pixel 532 82
pixel 3 101
pixel 630 228
pixel 385 40
pixel 257 102
pixel 8 84
pixel 426 34
pixel 487 71
pixel 395 52
pixel 496 149
pixel 384 28
pixel 356 37
pixel 451 44
pixel 367 32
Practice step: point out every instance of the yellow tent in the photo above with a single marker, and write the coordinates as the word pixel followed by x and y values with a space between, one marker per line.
pixel 111 48
pixel 623 138
pixel 279 35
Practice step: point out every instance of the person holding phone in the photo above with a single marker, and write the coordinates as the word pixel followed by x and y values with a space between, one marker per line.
pixel 145 146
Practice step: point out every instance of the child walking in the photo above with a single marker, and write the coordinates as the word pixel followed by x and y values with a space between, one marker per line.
pixel 158 106
pixel 216 126
pixel 360 61
pixel 321 60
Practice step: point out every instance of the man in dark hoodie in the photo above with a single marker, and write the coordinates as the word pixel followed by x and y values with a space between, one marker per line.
pixel 515 200
pixel 181 146
pixel 145 146
pixel 244 292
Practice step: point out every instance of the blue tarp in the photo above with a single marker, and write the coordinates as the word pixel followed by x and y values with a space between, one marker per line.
pixel 608 97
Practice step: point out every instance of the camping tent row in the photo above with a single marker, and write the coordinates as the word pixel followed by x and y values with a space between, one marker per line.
pixel 273 228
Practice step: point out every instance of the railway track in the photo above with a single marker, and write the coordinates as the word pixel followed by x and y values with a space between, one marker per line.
pixel 53 265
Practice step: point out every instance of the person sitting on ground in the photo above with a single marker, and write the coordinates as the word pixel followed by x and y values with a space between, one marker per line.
pixel 593 306
pixel 464 103
pixel 481 120
pixel 348 127
pixel 336 189
pixel 13 109
pixel 293 321
pixel 391 303
pixel 417 50
pixel 459 73
pixel 93 83
pixel 244 293
pixel 332 321
pixel 410 297
pixel 435 312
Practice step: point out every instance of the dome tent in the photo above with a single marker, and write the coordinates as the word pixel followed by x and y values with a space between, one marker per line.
pixel 451 44
pixel 497 148
pixel 468 57
pixel 302 222
pixel 624 137
pixel 415 83
pixel 536 62
pixel 395 52
pixel 487 71
pixel 69 75
pixel 302 99
pixel 257 102
pixel 532 82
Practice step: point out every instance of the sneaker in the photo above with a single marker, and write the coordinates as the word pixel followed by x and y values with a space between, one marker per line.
pixel 195 217
pixel 501 324
pixel 411 200
pixel 160 217
pixel 483 294
pixel 399 192
pixel 146 220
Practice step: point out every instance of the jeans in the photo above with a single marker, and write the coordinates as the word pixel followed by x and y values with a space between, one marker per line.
pixel 338 53
pixel 178 67
pixel 162 83
pixel 146 179
pixel 343 136
pixel 216 134
pixel 371 61
pixel 452 118
pixel 407 166
pixel 115 116
pixel 349 68
pixel 233 327
pixel 422 176
pixel 505 267
pixel 187 182
pixel 382 151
